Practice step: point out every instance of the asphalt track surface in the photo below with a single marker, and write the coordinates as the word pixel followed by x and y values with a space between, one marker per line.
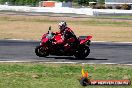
pixel 60 15
pixel 101 52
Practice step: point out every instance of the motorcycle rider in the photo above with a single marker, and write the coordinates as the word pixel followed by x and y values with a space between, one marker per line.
pixel 67 33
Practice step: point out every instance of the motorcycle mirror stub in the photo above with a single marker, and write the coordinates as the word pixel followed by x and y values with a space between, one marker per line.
pixel 49 27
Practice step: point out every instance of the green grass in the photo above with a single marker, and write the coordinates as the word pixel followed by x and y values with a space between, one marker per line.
pixel 89 21
pixel 95 22
pixel 35 75
pixel 120 16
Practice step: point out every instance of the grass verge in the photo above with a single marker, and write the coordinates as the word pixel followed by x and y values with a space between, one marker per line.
pixel 118 16
pixel 82 21
pixel 36 75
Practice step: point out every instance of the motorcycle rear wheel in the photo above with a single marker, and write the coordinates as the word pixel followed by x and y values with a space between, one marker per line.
pixel 41 51
pixel 82 52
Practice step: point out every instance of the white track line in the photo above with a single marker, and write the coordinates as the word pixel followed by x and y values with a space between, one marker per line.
pixel 61 62
pixel 92 41
pixel 110 42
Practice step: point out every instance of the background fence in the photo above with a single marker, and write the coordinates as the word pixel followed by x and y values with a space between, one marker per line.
pixel 86 11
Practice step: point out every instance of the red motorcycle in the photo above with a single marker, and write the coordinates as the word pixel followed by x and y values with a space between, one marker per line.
pixel 53 44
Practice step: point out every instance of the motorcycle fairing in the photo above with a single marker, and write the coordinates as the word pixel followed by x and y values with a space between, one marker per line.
pixel 85 40
pixel 58 38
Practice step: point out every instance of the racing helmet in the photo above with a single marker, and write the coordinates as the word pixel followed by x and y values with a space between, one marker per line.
pixel 62 25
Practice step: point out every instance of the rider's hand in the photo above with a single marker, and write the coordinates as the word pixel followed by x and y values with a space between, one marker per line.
pixel 57 33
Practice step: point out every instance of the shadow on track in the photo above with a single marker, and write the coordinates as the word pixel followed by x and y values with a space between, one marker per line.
pixel 72 58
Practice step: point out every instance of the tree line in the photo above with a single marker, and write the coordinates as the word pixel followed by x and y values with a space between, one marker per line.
pixel 36 2
pixel 21 2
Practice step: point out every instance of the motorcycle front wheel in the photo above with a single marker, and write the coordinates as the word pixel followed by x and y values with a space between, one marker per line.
pixel 41 51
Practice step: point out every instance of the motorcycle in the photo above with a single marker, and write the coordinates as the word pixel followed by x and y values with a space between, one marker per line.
pixel 54 44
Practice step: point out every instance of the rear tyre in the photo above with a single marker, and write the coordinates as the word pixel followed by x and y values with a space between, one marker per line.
pixel 41 51
pixel 82 52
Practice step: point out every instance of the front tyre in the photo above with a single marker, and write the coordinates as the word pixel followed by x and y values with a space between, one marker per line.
pixel 41 51
pixel 82 52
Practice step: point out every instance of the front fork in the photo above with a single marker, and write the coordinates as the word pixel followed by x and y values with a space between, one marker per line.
pixel 88 42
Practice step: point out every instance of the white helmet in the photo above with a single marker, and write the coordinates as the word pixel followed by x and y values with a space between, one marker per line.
pixel 62 25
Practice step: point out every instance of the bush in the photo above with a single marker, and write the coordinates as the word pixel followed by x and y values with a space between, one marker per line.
pixel 95 7
pixel 109 7
pixel 118 7
pixel 99 7
pixel 21 2
pixel 126 7
pixel 102 7
pixel 92 4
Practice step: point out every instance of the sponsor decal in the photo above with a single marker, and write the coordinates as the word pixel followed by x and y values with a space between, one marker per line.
pixel 85 80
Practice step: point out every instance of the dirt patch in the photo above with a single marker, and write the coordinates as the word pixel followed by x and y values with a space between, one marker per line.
pixel 33 27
